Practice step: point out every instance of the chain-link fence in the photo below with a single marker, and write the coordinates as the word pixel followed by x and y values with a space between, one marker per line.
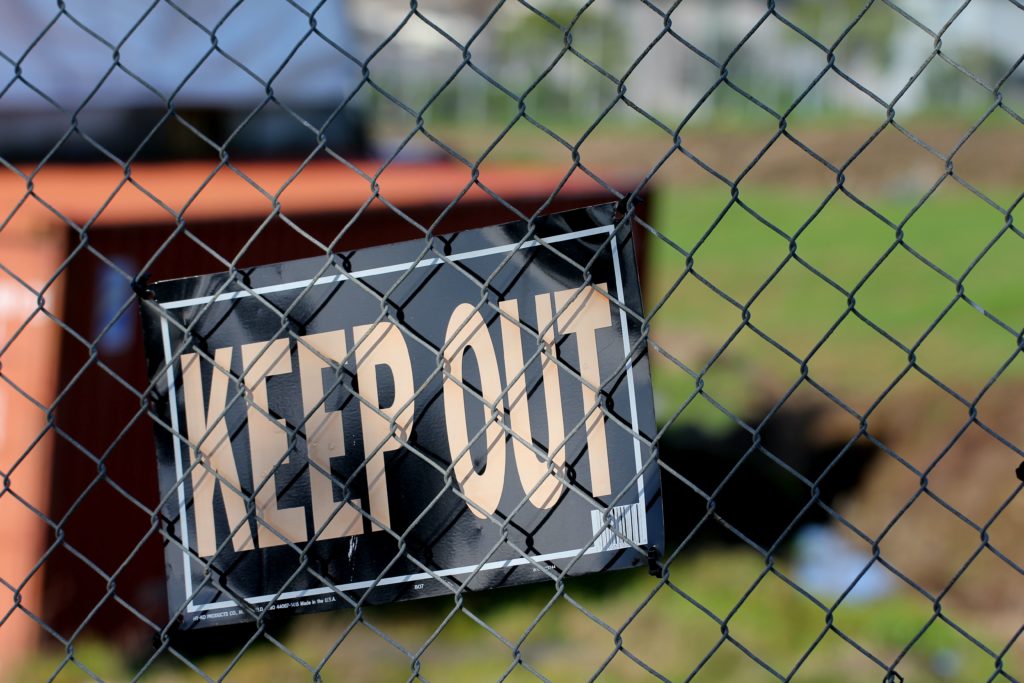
pixel 821 201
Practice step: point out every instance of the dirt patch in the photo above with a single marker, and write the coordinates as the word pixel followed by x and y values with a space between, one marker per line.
pixel 871 161
pixel 944 497
pixel 934 489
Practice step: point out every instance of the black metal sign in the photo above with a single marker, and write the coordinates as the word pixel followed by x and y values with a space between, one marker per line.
pixel 460 413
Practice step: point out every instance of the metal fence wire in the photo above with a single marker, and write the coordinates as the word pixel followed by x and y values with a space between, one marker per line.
pixel 841 487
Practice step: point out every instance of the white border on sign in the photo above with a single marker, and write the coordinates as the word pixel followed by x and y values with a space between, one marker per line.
pixel 179 465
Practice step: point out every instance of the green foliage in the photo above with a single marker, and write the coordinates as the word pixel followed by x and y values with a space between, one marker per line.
pixel 657 623
pixel 874 25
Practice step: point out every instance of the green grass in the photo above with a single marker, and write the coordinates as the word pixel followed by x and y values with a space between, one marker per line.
pixel 659 625
pixel 737 253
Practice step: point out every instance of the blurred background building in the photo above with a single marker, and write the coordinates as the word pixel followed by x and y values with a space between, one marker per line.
pixel 119 69
pixel 66 67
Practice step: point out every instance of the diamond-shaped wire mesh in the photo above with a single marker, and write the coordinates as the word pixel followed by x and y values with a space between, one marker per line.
pixel 823 196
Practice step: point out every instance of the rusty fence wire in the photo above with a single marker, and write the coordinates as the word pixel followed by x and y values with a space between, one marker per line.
pixel 135 143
